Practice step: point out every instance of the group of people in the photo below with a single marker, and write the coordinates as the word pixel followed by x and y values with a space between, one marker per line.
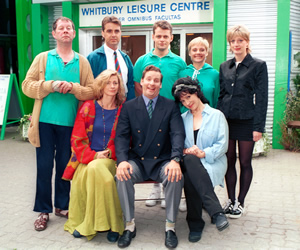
pixel 181 130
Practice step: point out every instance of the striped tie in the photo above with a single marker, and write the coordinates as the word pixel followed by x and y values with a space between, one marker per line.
pixel 117 65
pixel 150 108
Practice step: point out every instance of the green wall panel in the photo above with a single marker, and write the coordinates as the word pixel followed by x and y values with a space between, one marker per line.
pixel 40 36
pixel 219 33
pixel 24 41
pixel 72 11
pixel 281 74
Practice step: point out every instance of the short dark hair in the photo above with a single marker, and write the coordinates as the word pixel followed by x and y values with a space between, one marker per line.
pixel 62 18
pixel 110 19
pixel 152 68
pixel 163 25
pixel 186 85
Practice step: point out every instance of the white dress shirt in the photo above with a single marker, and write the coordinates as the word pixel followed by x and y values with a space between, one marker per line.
pixel 110 59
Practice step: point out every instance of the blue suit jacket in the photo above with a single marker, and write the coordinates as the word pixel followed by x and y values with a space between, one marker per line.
pixel 98 64
pixel 149 142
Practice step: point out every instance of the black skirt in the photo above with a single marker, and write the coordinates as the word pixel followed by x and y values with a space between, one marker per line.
pixel 241 130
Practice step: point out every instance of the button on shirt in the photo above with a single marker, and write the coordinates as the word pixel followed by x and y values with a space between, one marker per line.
pixel 110 59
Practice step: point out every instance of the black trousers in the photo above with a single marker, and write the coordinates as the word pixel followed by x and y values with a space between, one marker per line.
pixel 199 192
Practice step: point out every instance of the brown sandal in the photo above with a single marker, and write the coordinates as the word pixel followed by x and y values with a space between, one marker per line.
pixel 40 223
pixel 59 212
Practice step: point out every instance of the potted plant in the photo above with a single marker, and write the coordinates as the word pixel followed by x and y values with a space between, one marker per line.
pixel 290 138
pixel 262 147
pixel 24 125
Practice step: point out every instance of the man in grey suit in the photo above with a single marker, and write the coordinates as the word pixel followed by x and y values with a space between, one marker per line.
pixel 149 144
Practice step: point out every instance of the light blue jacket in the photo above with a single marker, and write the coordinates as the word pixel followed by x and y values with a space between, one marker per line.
pixel 212 139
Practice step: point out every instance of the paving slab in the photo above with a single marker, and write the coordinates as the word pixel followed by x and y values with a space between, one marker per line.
pixel 271 221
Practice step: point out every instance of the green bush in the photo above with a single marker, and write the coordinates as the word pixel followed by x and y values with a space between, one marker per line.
pixel 291 137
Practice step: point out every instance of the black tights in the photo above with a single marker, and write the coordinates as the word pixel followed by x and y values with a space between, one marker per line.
pixel 245 158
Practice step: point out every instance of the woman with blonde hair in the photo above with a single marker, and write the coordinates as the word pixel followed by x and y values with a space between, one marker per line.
pixel 94 202
pixel 243 100
pixel 206 75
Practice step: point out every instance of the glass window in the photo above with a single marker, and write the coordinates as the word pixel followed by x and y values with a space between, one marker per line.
pixel 175 44
pixel 97 42
pixel 134 46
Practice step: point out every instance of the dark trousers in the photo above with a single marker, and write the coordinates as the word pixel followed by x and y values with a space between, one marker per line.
pixel 55 145
pixel 199 192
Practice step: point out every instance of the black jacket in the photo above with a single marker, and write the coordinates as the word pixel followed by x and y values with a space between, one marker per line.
pixel 244 91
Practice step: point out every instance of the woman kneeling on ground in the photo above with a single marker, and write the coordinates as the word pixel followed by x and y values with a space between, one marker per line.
pixel 94 202
pixel 204 161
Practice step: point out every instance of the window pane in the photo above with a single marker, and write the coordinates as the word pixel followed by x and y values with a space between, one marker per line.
pixel 97 42
pixel 175 44
pixel 134 46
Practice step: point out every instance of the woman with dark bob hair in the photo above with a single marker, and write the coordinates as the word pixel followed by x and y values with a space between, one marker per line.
pixel 204 161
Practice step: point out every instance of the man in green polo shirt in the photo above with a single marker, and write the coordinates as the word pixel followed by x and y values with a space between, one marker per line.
pixel 170 65
pixel 57 79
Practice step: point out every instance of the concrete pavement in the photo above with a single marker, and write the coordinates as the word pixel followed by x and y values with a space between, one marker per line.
pixel 271 221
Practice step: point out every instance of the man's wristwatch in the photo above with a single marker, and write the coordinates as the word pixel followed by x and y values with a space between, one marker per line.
pixel 177 159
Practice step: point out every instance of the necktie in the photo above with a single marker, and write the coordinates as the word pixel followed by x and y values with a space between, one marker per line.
pixel 150 108
pixel 117 65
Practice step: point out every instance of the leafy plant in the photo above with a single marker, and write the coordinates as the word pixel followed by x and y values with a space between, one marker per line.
pixel 291 137
pixel 263 146
pixel 24 122
pixel 25 119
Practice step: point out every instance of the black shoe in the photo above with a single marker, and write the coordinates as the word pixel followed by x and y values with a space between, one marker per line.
pixel 171 239
pixel 220 220
pixel 126 238
pixel 112 236
pixel 76 234
pixel 195 236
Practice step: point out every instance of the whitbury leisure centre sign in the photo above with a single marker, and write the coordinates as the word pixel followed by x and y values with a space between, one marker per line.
pixel 147 12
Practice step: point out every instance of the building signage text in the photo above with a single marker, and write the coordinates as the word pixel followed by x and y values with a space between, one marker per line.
pixel 147 12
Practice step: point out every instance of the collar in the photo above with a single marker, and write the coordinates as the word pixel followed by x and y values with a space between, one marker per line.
pixel 206 110
pixel 100 50
pixel 246 62
pixel 108 51
pixel 146 100
pixel 54 53
pixel 170 54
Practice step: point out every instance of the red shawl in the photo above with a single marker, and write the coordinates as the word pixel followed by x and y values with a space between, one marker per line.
pixel 81 138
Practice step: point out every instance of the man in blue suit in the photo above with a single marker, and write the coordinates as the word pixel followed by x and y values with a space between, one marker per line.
pixel 149 144
pixel 104 57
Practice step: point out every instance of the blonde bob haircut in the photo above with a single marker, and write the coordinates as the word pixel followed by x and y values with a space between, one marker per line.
pixel 198 40
pixel 239 31
pixel 102 80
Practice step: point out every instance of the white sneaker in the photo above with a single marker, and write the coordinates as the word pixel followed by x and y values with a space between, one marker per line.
pixel 227 207
pixel 182 205
pixel 163 202
pixel 154 195
pixel 237 210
